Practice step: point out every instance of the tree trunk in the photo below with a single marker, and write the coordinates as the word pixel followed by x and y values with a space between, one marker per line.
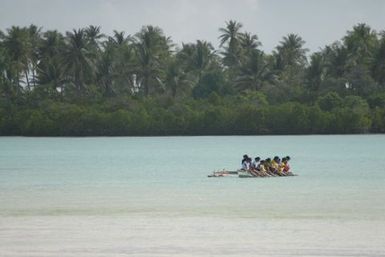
pixel 26 78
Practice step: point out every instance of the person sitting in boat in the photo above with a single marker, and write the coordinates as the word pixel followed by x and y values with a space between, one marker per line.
pixel 275 163
pixel 286 166
pixel 244 159
pixel 254 168
pixel 246 164
pixel 255 163
pixel 268 167
pixel 262 170
pixel 282 166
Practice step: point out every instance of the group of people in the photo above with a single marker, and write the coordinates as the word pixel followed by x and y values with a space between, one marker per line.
pixel 259 168
pixel 266 168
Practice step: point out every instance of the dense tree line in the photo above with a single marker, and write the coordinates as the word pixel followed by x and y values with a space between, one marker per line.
pixel 86 83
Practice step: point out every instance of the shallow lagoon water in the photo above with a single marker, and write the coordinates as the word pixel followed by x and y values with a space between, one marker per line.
pixel 150 196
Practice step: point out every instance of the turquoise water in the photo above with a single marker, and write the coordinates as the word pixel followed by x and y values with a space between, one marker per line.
pixel 150 196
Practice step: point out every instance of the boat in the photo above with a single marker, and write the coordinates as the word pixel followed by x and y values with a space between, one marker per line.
pixel 224 173
pixel 242 174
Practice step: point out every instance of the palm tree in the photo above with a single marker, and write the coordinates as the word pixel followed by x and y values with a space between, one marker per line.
pixel 94 35
pixel 6 88
pixel 51 45
pixel 34 39
pixel 231 35
pixel 52 79
pixel 176 79
pixel 114 69
pixel 115 65
pixel 315 73
pixel 335 58
pixel 254 72
pixel 291 52
pixel 203 57
pixel 360 44
pixel 105 69
pixel 119 38
pixel 196 59
pixel 249 42
pixel 378 65
pixel 49 69
pixel 78 60
pixel 152 50
pixel 16 45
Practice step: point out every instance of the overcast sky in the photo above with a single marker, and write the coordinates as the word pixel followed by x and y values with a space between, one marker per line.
pixel 317 22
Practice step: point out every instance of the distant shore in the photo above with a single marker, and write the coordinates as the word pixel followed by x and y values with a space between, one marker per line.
pixel 85 83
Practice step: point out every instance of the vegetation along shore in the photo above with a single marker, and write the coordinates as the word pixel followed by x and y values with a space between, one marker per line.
pixel 84 83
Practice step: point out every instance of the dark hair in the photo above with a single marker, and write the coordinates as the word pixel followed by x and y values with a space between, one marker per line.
pixel 257 158
pixel 268 160
pixel 276 158
pixel 287 158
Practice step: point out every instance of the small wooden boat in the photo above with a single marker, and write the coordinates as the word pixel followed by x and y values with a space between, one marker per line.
pixel 243 174
pixel 224 173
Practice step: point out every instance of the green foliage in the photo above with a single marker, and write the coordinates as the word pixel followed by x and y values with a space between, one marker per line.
pixel 211 82
pixel 84 83
pixel 329 101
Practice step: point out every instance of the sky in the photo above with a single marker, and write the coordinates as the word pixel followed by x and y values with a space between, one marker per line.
pixel 318 22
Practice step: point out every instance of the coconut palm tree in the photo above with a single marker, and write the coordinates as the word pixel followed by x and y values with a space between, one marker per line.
pixel 196 59
pixel 254 72
pixel 34 34
pixel 378 64
pixel 119 38
pixel 231 33
pixel 94 35
pixel 6 89
pixel 291 52
pixel 152 49
pixel 17 47
pixel 249 42
pixel 78 60
pixel 50 71
pixel 316 72
pixel 231 36
pixel 335 58
pixel 51 45
pixel 176 79
pixel 360 44
pixel 203 57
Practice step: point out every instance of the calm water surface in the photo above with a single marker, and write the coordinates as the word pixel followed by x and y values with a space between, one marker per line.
pixel 150 196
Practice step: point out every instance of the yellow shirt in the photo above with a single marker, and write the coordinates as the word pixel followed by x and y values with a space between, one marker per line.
pixel 262 168
pixel 275 165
